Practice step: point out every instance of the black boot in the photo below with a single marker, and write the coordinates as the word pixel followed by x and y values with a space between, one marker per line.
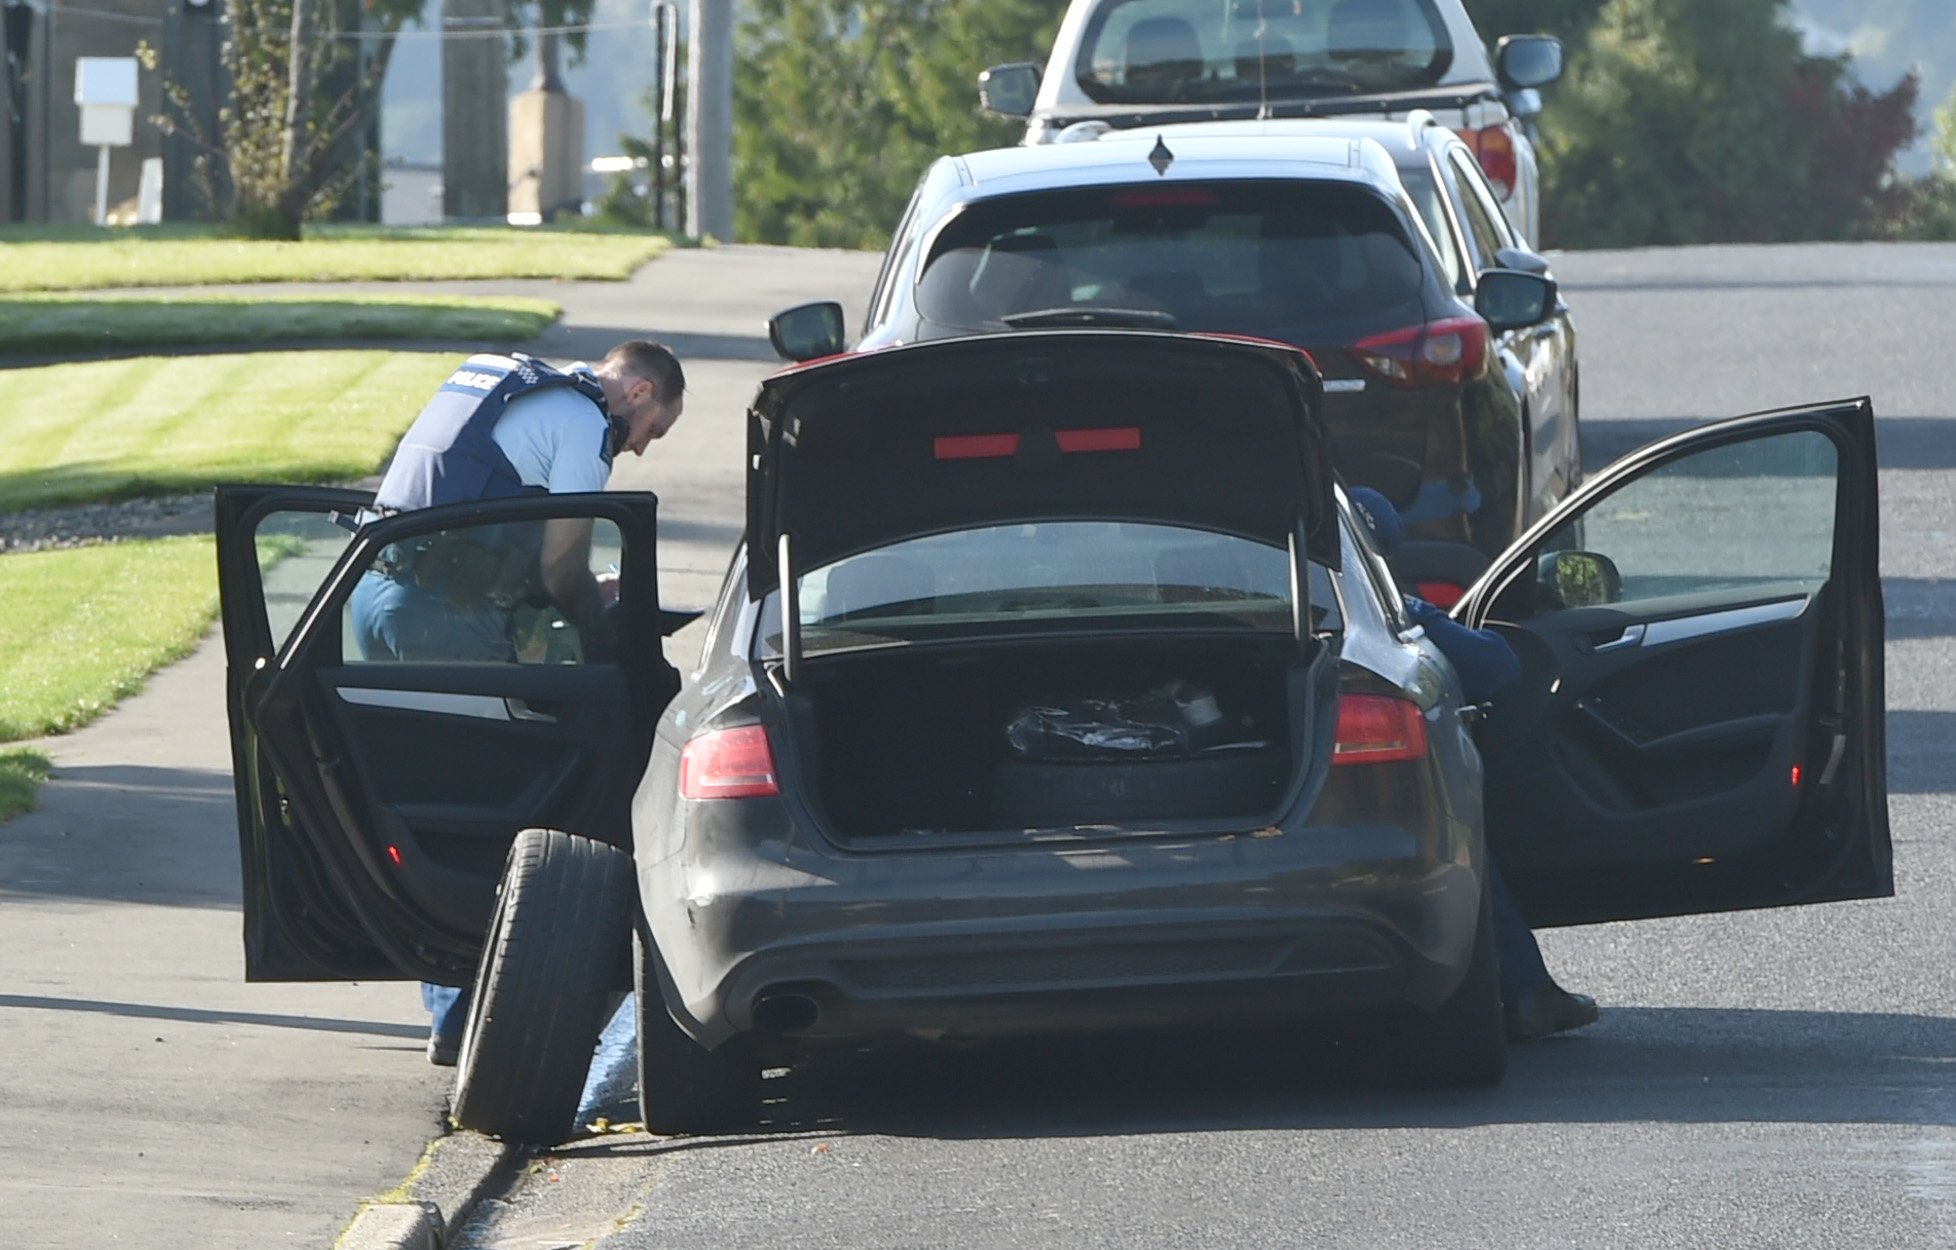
pixel 1548 1009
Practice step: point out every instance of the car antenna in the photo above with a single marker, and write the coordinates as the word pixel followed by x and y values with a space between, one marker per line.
pixel 1262 66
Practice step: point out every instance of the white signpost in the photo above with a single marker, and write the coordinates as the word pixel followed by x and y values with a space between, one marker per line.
pixel 105 88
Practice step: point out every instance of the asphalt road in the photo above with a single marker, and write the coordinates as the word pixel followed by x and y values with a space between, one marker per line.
pixel 1759 1080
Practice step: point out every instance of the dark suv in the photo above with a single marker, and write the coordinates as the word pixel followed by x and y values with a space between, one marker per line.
pixel 1267 231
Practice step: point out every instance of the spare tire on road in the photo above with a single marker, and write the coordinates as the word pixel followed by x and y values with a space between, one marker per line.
pixel 552 961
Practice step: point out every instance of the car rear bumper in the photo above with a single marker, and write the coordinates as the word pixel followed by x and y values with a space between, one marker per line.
pixel 1022 942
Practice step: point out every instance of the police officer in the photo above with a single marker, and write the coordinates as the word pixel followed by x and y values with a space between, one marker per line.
pixel 1535 1006
pixel 502 426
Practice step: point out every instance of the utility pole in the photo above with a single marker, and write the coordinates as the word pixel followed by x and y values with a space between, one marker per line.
pixel 709 120
pixel 474 110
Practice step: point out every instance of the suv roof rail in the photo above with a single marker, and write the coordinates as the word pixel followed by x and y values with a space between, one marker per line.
pixel 1417 121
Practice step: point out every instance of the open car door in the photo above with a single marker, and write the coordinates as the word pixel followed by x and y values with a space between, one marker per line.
pixel 378 797
pixel 1699 721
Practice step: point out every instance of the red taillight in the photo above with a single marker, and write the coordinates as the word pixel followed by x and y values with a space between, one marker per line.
pixel 728 764
pixel 1378 729
pixel 1446 352
pixel 1164 197
pixel 1440 594
pixel 1494 147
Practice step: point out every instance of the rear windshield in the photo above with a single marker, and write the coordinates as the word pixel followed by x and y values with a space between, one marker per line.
pixel 1046 574
pixel 1233 257
pixel 1217 51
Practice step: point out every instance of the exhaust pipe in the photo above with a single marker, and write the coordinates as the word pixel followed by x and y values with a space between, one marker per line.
pixel 785 1013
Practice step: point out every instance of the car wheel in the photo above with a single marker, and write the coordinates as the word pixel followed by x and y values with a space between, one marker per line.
pixel 1464 1043
pixel 682 1086
pixel 549 967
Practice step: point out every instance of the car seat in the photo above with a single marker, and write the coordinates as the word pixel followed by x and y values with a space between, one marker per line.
pixel 1021 273
pixel 1278 59
pixel 1163 53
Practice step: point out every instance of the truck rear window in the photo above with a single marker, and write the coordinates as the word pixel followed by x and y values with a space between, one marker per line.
pixel 1214 51
pixel 1245 257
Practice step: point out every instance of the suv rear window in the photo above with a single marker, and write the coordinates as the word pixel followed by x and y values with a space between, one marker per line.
pixel 1208 51
pixel 1256 258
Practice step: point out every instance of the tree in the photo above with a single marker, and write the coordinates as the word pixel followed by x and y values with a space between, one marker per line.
pixel 305 76
pixel 1683 122
pixel 840 104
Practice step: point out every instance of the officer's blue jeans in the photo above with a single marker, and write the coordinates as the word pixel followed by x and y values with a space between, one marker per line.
pixel 393 620
pixel 1522 969
pixel 448 1012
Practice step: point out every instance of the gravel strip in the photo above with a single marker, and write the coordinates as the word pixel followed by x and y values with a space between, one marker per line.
pixel 40 529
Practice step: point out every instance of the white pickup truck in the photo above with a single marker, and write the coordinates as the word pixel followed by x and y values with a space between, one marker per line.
pixel 1118 64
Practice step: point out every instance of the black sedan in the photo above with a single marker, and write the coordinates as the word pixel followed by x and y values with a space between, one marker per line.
pixel 1053 689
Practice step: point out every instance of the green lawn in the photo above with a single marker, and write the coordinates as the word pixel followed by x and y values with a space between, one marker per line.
pixel 85 626
pixel 118 429
pixel 43 324
pixel 21 774
pixel 68 259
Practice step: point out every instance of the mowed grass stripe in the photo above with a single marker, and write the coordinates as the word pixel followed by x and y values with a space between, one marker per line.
pixel 139 258
pixel 106 430
pixel 86 626
pixel 33 325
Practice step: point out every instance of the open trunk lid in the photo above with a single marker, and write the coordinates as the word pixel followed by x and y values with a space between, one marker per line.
pixel 858 452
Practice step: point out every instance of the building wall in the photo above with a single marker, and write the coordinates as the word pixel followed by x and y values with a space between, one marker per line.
pixel 67 170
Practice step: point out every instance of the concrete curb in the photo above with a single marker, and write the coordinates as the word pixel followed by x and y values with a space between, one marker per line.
pixel 456 1173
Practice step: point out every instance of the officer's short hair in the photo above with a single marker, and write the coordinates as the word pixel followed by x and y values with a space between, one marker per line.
pixel 642 358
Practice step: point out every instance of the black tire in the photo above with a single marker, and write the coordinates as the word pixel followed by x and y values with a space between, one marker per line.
pixel 1463 1044
pixel 550 964
pixel 682 1086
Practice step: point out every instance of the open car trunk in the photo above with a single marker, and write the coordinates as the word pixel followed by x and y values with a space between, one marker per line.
pixel 901 744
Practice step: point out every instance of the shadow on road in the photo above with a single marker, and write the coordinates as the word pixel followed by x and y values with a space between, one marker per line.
pixel 188 1015
pixel 1641 1064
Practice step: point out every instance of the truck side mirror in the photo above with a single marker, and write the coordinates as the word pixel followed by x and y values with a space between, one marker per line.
pixel 1009 90
pixel 1528 61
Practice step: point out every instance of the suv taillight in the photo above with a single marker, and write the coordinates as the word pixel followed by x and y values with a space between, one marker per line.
pixel 1494 148
pixel 728 764
pixel 1446 352
pixel 1378 729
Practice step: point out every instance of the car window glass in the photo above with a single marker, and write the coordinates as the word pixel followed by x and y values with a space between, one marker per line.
pixel 1750 516
pixel 1479 220
pixel 1170 51
pixel 296 550
pixel 477 594
pixel 893 263
pixel 1430 202
pixel 1475 191
pixel 1260 258
pixel 1050 573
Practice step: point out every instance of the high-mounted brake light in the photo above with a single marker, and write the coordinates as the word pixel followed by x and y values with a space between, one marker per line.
pixel 1378 729
pixel 1163 197
pixel 1494 148
pixel 996 446
pixel 728 764
pixel 1446 352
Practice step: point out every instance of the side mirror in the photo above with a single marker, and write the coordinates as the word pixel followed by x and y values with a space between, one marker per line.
pixel 1528 61
pixel 807 331
pixel 1009 90
pixel 1576 579
pixel 1509 299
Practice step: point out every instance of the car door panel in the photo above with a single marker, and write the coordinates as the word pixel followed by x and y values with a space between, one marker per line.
pixel 1708 734
pixel 378 797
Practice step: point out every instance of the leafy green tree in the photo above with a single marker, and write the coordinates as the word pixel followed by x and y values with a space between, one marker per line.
pixel 1687 122
pixel 840 105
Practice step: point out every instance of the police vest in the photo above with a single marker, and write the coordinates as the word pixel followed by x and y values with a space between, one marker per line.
pixel 448 455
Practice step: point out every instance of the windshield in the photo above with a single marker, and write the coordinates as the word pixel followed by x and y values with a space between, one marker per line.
pixel 1046 574
pixel 1259 258
pixel 1213 51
